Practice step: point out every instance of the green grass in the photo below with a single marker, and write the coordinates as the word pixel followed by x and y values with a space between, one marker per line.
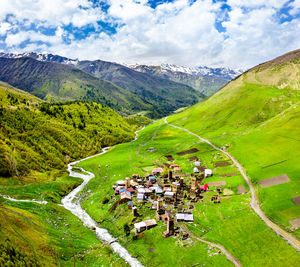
pixel 259 118
pixel 231 223
pixel 52 236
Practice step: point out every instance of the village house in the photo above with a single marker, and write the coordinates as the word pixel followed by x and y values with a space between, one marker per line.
pixel 141 197
pixel 204 187
pixel 184 217
pixel 157 171
pixel 139 227
pixel 172 166
pixel 177 169
pixel 152 179
pixel 150 224
pixel 208 173
pixel 125 197
pixel 196 170
pixel 145 225
pixel 135 176
pixel 133 184
pixel 197 163
pixel 169 194
pixel 120 183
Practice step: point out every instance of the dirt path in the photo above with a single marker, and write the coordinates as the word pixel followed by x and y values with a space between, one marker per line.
pixel 254 200
pixel 225 252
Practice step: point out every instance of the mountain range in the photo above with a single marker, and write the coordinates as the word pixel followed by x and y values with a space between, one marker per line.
pixel 204 79
pixel 146 80
pixel 123 89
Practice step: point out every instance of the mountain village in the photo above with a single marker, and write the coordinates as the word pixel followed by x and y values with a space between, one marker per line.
pixel 171 194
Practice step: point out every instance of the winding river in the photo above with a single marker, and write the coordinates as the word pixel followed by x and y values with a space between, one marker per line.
pixel 71 203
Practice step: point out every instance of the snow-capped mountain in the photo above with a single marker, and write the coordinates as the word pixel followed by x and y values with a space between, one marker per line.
pixel 204 79
pixel 221 72
pixel 42 57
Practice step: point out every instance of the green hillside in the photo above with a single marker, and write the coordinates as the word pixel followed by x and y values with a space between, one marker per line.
pixel 257 116
pixel 41 136
pixel 37 140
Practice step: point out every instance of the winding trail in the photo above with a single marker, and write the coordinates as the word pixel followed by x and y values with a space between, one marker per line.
pixel 225 252
pixel 254 200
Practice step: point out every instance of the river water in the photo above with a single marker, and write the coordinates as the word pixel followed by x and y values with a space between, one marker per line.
pixel 71 203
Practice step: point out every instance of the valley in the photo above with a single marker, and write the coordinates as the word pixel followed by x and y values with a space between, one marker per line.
pixel 243 141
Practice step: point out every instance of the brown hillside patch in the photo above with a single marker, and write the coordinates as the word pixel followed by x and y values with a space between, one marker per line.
pixel 217 183
pixel 279 61
pixel 295 223
pixel 169 158
pixel 186 152
pixel 296 200
pixel 228 174
pixel 241 189
pixel 274 180
pixel 222 163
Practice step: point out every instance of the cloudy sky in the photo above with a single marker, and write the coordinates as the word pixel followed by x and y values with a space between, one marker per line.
pixel 233 33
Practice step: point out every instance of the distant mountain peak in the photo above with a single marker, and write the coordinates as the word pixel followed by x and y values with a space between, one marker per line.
pixel 221 72
pixel 42 57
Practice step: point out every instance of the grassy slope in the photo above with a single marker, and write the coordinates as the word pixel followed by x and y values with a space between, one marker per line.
pixel 232 223
pixel 40 143
pixel 51 236
pixel 38 139
pixel 258 116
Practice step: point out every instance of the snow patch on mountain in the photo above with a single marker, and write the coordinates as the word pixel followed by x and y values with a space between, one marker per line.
pixel 222 72
pixel 42 57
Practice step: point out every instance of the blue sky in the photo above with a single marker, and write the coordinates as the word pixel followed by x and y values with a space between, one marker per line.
pixel 233 33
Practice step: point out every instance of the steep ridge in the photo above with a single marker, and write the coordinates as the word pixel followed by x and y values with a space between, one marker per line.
pixel 59 82
pixel 205 81
pixel 163 94
pixel 59 78
pixel 256 116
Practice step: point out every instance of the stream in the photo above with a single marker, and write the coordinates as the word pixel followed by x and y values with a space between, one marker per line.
pixel 71 203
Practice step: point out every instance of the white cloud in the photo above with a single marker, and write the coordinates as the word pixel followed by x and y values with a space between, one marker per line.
pixel 179 32
pixel 16 39
pixel 51 13
pixel 4 27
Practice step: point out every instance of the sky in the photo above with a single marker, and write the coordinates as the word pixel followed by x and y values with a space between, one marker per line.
pixel 228 33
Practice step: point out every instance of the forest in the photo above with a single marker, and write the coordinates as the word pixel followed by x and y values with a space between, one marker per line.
pixel 40 136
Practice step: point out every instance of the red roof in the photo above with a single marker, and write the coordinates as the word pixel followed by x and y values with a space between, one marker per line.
pixel 165 216
pixel 204 187
pixel 174 165
pixel 156 170
pixel 130 189
pixel 177 169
